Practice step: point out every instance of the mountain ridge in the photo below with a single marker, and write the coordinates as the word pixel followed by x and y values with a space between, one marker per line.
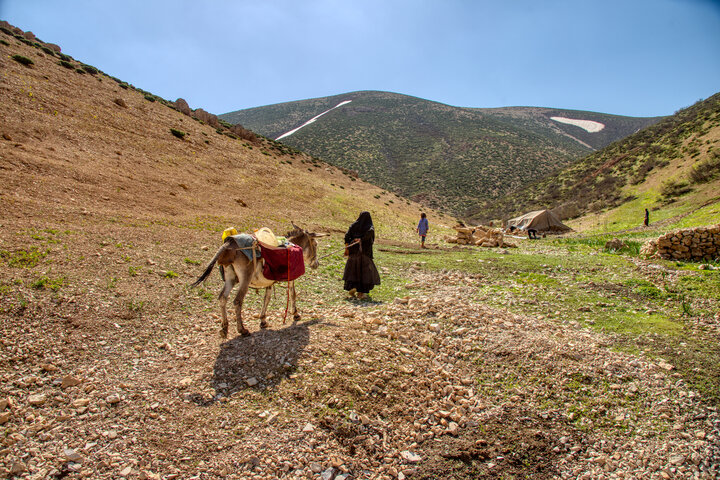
pixel 447 157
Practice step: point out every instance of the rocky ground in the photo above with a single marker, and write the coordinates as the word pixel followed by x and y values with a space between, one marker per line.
pixel 433 385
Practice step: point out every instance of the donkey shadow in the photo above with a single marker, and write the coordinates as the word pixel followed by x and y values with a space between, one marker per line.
pixel 260 361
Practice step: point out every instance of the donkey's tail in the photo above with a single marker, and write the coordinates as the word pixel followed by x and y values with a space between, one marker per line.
pixel 210 267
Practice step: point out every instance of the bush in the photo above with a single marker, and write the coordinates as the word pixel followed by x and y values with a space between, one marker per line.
pixel 24 60
pixel 706 170
pixel 90 69
pixel 178 133
pixel 149 98
pixel 66 64
pixel 48 51
pixel 674 188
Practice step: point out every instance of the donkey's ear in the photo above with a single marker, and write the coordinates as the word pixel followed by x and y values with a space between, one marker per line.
pixel 318 235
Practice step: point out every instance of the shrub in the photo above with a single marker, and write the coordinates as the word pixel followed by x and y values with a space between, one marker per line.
pixel 80 71
pixel 48 51
pixel 674 188
pixel 24 60
pixel 706 170
pixel 4 43
pixel 62 56
pixel 90 69
pixel 149 98
pixel 179 134
pixel 66 64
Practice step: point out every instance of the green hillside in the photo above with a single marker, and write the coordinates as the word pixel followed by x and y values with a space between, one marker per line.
pixel 444 156
pixel 671 168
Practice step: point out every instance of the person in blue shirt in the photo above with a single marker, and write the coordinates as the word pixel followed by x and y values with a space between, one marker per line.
pixel 422 229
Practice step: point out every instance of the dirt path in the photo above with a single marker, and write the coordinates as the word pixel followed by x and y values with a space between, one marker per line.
pixel 420 388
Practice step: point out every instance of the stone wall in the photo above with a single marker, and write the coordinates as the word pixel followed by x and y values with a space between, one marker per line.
pixel 702 243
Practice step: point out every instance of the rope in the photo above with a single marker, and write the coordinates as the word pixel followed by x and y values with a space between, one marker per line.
pixel 340 249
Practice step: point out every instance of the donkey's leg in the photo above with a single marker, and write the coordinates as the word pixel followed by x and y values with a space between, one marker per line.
pixel 266 302
pixel 293 299
pixel 230 282
pixel 244 280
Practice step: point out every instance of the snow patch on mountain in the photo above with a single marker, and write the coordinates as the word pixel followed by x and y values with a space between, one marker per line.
pixel 587 125
pixel 312 120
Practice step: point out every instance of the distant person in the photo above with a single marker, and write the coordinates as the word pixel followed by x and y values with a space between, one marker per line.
pixel 532 233
pixel 422 229
pixel 647 217
pixel 360 274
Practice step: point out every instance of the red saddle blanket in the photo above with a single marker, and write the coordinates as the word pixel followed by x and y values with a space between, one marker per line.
pixel 284 263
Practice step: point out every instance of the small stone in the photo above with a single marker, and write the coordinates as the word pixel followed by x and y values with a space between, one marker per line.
pixel 3 403
pixel 70 381
pixel 125 472
pixel 17 468
pixel 81 402
pixel 185 382
pixel 4 417
pixel 677 459
pixel 328 474
pixel 410 456
pixel 315 467
pixel 308 428
pixel 37 399
pixel 72 455
pixel 49 367
pixel 452 428
pixel 252 381
pixel 112 434
pixel 112 399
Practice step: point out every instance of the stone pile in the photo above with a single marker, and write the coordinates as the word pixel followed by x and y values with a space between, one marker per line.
pixel 701 243
pixel 481 236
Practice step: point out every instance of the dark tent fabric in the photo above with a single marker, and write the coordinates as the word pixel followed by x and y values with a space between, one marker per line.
pixel 540 220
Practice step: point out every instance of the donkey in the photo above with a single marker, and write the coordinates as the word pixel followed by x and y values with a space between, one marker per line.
pixel 249 273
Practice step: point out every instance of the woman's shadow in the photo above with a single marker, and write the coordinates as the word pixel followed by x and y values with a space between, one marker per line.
pixel 261 360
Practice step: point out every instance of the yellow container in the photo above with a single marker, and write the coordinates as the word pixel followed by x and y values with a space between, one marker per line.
pixel 229 232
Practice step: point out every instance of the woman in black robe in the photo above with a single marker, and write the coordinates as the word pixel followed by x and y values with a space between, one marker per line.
pixel 360 273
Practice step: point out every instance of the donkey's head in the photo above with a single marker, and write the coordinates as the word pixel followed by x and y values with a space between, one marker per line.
pixel 306 240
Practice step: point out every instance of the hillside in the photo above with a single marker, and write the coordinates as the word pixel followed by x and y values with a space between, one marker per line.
pixel 111 365
pixel 77 142
pixel 671 168
pixel 448 157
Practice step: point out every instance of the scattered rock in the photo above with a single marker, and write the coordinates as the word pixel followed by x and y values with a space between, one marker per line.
pixel 37 400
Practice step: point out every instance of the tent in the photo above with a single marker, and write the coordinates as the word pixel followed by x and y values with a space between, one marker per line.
pixel 540 220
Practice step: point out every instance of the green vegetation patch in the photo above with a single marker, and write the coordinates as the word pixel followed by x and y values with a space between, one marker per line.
pixel 24 258
pixel 23 60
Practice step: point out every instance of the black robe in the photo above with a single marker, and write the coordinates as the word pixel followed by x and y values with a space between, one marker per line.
pixel 360 271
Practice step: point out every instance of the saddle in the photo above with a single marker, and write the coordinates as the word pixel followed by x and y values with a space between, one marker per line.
pixel 284 261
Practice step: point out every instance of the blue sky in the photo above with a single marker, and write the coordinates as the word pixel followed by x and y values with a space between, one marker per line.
pixel 626 57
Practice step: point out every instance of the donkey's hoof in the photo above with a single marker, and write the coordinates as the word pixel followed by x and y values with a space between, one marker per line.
pixel 296 317
pixel 244 332
pixel 222 334
pixel 264 325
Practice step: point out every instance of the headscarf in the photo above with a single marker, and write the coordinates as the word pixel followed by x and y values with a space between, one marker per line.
pixel 360 227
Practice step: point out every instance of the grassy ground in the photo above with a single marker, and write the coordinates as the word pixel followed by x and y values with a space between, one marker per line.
pixel 665 309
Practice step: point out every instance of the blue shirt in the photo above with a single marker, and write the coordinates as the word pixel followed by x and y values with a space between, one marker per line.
pixel 423 226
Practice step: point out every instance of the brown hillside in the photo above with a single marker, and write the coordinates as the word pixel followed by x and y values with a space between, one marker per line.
pixel 80 144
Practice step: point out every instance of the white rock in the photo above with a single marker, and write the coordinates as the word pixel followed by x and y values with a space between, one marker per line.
pixel 309 428
pixel 410 456
pixel 252 381
pixel 72 455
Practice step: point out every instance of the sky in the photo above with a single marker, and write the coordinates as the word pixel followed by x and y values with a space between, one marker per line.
pixel 624 57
